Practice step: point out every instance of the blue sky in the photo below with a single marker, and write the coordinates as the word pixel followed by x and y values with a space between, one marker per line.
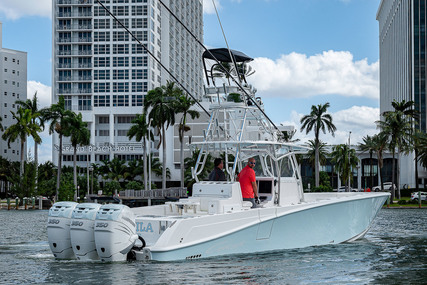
pixel 306 52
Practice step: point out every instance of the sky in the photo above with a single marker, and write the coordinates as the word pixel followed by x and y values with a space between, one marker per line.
pixel 306 52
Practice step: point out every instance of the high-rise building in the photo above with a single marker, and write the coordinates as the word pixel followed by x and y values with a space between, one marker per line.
pixel 13 86
pixel 103 73
pixel 402 43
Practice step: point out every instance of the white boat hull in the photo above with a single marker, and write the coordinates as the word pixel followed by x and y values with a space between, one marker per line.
pixel 308 224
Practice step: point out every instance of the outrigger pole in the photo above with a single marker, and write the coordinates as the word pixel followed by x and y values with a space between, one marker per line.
pixel 226 71
pixel 153 56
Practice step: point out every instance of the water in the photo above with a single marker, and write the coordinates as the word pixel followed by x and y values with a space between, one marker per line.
pixel 394 251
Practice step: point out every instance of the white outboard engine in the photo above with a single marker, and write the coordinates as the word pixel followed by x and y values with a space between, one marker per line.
pixel 58 229
pixel 82 231
pixel 115 232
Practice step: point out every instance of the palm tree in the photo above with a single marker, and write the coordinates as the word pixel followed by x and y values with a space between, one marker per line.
pixel 183 106
pixel 23 128
pixel 1 126
pixel 419 143
pixel 318 121
pixel 379 143
pixel 115 170
pixel 32 104
pixel 311 153
pixel 345 159
pixel 79 135
pixel 368 144
pixel 397 126
pixel 161 101
pixel 57 114
pixel 140 131
pixel 422 152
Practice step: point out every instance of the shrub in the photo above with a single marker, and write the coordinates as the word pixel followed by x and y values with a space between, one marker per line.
pixel 402 202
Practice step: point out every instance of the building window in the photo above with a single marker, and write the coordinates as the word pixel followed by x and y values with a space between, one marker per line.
pixel 104 133
pixel 101 23
pixel 116 24
pixel 101 74
pixel 120 61
pixel 120 100
pixel 139 74
pixel 120 36
pixel 139 86
pixel 139 61
pixel 101 101
pixel 120 74
pixel 121 10
pixel 120 87
pixel 104 120
pixel 138 49
pixel 137 100
pixel 85 103
pixel 120 49
pixel 101 87
pixel 101 61
pixel 125 119
pixel 101 49
pixel 122 133
pixel 68 102
pixel 101 36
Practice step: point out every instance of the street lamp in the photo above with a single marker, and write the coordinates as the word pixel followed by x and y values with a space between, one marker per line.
pixel 149 155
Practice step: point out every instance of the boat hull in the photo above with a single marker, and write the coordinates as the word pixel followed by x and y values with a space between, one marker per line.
pixel 329 222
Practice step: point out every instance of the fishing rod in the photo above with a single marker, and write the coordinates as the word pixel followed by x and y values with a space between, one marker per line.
pixel 218 62
pixel 153 56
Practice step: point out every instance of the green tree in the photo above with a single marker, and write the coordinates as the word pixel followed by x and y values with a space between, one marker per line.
pixel 397 126
pixel 23 128
pixel 368 145
pixel 57 114
pixel 345 159
pixel 419 141
pixel 311 153
pixel 379 142
pixel 161 100
pixel 190 162
pixel 79 135
pixel 140 130
pixel 183 106
pixel 37 118
pixel 318 120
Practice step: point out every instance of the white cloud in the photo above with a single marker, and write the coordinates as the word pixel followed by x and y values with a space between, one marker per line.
pixel 209 8
pixel 332 72
pixel 15 9
pixel 359 120
pixel 43 93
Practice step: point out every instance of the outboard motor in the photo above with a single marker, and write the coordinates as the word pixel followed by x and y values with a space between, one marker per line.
pixel 115 232
pixel 58 229
pixel 82 231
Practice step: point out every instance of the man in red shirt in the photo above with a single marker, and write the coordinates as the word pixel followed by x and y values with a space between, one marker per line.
pixel 247 181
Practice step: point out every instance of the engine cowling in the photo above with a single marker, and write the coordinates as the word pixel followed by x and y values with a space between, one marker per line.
pixel 82 231
pixel 58 229
pixel 115 232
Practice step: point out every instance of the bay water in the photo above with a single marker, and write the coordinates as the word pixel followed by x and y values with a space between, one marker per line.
pixel 394 251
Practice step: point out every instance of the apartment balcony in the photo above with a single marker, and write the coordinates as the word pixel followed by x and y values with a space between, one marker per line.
pixel 83 40
pixel 64 65
pixel 63 27
pixel 84 52
pixel 84 78
pixel 64 14
pixel 63 52
pixel 64 2
pixel 63 91
pixel 65 78
pixel 64 40
pixel 83 14
pixel 84 91
pixel 85 108
pixel 83 65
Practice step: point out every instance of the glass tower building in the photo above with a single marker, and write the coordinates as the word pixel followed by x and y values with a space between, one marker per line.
pixel 402 44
